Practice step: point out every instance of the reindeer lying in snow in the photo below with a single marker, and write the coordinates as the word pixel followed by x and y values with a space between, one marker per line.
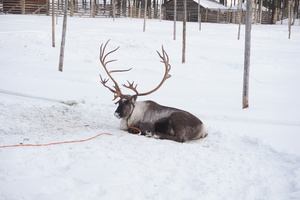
pixel 147 117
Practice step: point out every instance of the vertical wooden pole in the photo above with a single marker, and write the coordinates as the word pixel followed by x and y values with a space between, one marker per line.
pixel 160 10
pixel 175 18
pixel 199 15
pixel 247 54
pixel 260 11
pixel 289 18
pixel 184 32
pixel 255 11
pixel 63 38
pixel 239 18
pixel 92 8
pixel 48 7
pixel 131 7
pixel 113 9
pixel 145 16
pixel 57 11
pixel 53 24
pixel 23 7
pixel 71 8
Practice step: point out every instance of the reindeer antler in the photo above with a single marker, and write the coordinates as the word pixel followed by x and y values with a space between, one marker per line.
pixel 164 59
pixel 116 89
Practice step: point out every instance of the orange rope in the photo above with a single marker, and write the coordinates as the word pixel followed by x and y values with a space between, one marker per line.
pixel 135 128
pixel 54 143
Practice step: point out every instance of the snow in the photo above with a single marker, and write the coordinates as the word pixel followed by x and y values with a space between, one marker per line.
pixel 211 4
pixel 244 7
pixel 249 153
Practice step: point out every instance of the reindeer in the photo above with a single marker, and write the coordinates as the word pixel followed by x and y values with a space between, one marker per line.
pixel 147 117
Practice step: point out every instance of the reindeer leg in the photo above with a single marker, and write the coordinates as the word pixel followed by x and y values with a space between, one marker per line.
pixel 162 136
pixel 164 129
pixel 143 127
pixel 178 127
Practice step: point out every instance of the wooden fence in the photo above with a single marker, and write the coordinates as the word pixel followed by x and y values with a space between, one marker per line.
pixel 86 9
pixel 25 6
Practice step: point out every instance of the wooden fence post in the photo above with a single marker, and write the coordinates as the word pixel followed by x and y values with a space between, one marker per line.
pixel 53 24
pixel 93 11
pixel 247 54
pixel 184 32
pixel 113 10
pixel 145 16
pixel 175 18
pixel 160 10
pixel 63 38
pixel 199 15
pixel 239 17
pixel 290 18
pixel 72 8
pixel 23 5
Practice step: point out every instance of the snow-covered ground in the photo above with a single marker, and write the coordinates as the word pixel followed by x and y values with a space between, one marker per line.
pixel 249 154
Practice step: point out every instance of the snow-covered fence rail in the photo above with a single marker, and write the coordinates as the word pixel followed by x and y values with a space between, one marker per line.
pixel 87 10
pixel 25 6
pixel 93 9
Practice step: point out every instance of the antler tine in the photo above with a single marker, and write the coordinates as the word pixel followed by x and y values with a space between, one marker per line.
pixel 102 51
pixel 117 91
pixel 164 59
pixel 104 81
pixel 131 86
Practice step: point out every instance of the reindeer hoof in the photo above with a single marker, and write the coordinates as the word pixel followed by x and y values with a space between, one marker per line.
pixel 152 135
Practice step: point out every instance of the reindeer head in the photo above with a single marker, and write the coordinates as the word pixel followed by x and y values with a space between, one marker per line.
pixel 127 102
pixel 125 107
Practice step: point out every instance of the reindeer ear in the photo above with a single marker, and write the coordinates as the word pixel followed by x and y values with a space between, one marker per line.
pixel 133 99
